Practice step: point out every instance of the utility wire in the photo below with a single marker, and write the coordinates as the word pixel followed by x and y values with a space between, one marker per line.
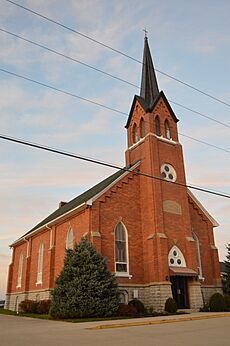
pixel 62 91
pixel 93 102
pixel 117 51
pixel 111 165
pixel 107 74
pixel 68 57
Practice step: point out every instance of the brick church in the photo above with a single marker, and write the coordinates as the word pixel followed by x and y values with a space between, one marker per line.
pixel 156 236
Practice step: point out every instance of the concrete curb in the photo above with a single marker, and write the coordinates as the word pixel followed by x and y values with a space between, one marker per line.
pixel 152 322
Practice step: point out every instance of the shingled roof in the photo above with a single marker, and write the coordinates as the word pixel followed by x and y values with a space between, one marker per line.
pixel 77 201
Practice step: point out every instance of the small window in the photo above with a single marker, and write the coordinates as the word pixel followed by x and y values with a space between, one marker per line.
pixel 157 126
pixel 69 239
pixel 176 258
pixel 135 134
pixel 40 263
pixel 20 265
pixel 168 172
pixel 167 130
pixel 121 260
pixel 142 128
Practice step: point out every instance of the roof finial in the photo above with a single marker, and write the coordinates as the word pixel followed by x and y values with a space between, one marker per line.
pixel 145 31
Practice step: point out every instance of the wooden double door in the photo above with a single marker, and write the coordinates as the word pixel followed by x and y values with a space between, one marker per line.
pixel 180 291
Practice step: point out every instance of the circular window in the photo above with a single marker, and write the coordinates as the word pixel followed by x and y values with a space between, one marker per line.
pixel 174 253
pixel 171 260
pixel 168 172
pixel 179 261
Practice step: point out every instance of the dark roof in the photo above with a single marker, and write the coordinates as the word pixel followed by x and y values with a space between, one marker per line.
pixel 149 87
pixel 148 108
pixel 77 201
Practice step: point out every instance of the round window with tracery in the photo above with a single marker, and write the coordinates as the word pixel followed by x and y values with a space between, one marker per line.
pixel 168 172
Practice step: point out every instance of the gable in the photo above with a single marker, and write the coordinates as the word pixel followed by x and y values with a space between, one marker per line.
pixel 85 198
pixel 202 209
pixel 148 109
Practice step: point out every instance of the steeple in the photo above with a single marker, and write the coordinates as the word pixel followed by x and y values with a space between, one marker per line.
pixel 149 88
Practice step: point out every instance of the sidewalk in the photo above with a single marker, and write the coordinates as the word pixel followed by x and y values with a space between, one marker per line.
pixel 135 322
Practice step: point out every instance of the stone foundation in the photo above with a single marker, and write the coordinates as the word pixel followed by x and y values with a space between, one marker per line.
pixel 208 291
pixel 153 295
pixel 14 299
pixel 195 295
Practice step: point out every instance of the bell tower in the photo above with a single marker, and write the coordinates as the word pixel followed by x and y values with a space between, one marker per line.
pixel 153 142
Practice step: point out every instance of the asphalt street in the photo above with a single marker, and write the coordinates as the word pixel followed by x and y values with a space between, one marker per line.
pixel 23 331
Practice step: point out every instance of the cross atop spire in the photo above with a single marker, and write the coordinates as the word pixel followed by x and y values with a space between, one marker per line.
pixel 149 87
pixel 145 31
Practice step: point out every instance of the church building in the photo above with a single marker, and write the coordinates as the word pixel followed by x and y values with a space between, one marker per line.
pixel 156 236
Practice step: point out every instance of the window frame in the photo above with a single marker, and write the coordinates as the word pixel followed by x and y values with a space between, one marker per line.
pixel 69 239
pixel 135 137
pixel 20 268
pixel 40 263
pixel 167 130
pixel 198 255
pixel 121 273
pixel 157 126
pixel 142 128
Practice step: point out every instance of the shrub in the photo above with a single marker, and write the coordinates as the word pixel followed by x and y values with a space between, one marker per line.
pixel 29 306
pixel 138 305
pixel 217 302
pixel 126 310
pixel 44 306
pixel 85 287
pixel 227 301
pixel 170 306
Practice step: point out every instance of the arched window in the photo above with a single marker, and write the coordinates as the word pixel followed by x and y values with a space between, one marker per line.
pixel 135 134
pixel 142 128
pixel 157 126
pixel 69 239
pixel 167 130
pixel 176 258
pixel 20 265
pixel 121 258
pixel 198 257
pixel 40 263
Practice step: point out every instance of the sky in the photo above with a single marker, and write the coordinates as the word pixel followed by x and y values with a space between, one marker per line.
pixel 188 40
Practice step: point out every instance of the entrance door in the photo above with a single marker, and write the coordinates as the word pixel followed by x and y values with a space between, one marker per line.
pixel 180 291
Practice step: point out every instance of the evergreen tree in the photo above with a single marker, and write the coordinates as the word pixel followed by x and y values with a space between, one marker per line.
pixel 227 267
pixel 85 287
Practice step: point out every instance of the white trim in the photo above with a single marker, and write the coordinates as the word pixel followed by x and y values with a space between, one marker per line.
pixel 20 268
pixel 199 264
pixel 40 263
pixel 195 200
pixel 117 273
pixel 69 239
pixel 179 256
pixel 48 223
pixel 93 199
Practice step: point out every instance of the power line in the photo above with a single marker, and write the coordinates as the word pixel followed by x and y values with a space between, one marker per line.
pixel 67 57
pixel 111 165
pixel 62 91
pixel 198 140
pixel 198 113
pixel 92 102
pixel 117 51
pixel 106 73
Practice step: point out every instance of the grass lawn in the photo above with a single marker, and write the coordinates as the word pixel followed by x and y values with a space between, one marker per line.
pixel 75 320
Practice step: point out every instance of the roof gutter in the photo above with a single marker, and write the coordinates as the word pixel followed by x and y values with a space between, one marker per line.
pixel 48 224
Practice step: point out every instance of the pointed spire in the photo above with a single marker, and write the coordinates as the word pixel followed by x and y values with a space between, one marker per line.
pixel 149 88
